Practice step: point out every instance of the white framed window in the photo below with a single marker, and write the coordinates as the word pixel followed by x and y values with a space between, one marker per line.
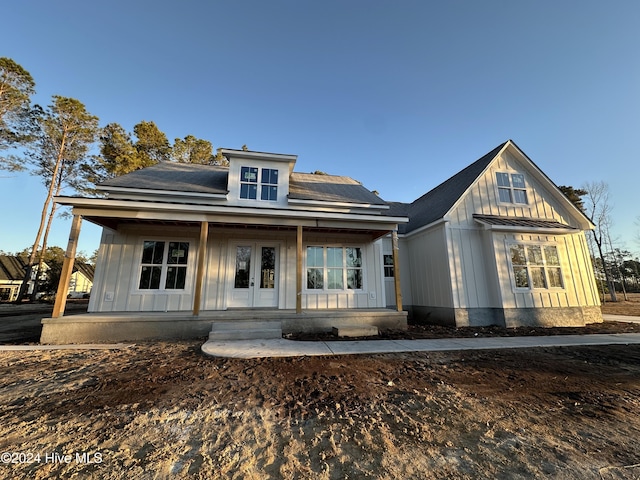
pixel 535 266
pixel 512 188
pixel 388 266
pixel 334 268
pixel 163 265
pixel 268 183
pixel 249 182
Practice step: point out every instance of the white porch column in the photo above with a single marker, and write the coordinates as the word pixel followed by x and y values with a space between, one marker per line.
pixel 67 268
pixel 202 253
pixel 396 269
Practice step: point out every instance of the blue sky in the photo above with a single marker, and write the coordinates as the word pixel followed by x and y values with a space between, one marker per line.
pixel 399 95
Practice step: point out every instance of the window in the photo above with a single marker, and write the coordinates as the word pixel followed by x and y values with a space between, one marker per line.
pixel 511 188
pixel 388 266
pixel 163 263
pixel 334 268
pixel 249 183
pixel 536 266
pixel 269 184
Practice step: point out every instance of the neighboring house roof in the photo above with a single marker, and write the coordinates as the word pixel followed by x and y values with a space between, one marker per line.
pixel 434 204
pixel 11 268
pixel 521 222
pixel 330 188
pixel 85 269
pixel 187 177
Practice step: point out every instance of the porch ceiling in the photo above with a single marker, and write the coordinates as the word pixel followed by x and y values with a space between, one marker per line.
pixel 117 223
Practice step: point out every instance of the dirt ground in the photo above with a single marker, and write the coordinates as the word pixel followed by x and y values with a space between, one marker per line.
pixel 164 410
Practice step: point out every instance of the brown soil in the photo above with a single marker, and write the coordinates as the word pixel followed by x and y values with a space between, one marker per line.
pixel 164 410
pixel 622 306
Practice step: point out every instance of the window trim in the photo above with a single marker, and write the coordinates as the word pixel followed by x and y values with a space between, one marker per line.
pixel 511 189
pixel 189 266
pixel 528 266
pixel 326 267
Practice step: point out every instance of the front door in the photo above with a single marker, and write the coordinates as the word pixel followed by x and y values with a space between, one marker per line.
pixel 254 281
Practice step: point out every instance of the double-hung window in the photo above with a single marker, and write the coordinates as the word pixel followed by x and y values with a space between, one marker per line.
pixel 511 188
pixel 388 266
pixel 163 265
pixel 334 268
pixel 536 266
pixel 269 184
pixel 249 183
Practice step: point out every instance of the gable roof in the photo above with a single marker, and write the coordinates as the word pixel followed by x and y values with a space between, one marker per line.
pixel 434 204
pixel 11 268
pixel 85 269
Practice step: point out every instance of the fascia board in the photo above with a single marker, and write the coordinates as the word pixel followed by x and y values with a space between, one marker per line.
pixel 320 203
pixel 92 206
pixel 464 194
pixel 583 220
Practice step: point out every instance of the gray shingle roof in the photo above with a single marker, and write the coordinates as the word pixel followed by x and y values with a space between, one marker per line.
pixel 179 177
pixel 434 204
pixel 11 268
pixel 330 188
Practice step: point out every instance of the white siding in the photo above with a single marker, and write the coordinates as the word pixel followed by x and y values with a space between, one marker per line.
pixel 426 261
pixel 115 286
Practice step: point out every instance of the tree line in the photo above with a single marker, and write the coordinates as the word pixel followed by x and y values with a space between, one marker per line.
pixel 57 144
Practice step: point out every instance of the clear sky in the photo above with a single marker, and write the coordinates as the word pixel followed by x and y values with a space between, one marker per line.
pixel 399 95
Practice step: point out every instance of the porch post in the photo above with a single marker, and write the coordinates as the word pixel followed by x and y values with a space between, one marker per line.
pixel 396 269
pixel 67 268
pixel 202 252
pixel 299 270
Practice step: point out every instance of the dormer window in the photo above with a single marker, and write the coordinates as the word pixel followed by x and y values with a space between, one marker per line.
pixel 249 183
pixel 269 184
pixel 511 188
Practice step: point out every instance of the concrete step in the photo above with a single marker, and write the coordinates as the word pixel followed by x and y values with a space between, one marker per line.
pixel 356 331
pixel 245 330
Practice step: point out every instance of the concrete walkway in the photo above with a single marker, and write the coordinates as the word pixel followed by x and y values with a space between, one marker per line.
pixel 293 348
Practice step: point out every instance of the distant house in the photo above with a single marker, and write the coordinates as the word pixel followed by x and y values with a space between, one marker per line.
pixel 81 281
pixel 12 272
pixel 186 245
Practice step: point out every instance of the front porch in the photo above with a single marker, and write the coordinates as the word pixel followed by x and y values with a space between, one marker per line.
pixel 142 326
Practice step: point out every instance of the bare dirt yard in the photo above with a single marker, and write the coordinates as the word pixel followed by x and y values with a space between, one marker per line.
pixel 164 410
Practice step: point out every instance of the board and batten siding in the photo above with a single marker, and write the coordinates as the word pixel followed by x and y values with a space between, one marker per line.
pixel 117 271
pixel 577 273
pixel 482 197
pixel 425 259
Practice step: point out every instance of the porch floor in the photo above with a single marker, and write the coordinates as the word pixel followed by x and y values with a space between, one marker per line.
pixel 131 326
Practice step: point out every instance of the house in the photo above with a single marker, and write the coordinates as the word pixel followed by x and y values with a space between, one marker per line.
pixel 496 244
pixel 185 246
pixel 81 281
pixel 12 272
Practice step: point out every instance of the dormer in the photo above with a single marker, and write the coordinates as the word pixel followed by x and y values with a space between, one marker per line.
pixel 258 179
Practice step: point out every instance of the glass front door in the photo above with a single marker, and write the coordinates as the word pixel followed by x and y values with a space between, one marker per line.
pixel 255 276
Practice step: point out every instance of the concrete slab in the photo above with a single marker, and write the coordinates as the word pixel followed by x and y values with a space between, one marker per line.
pixel 91 346
pixel 292 348
pixel 620 318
